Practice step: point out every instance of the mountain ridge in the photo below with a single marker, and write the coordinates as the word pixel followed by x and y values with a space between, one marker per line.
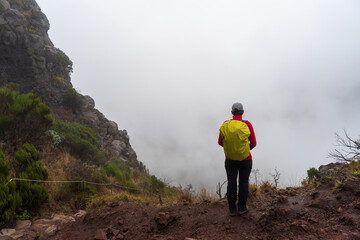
pixel 29 58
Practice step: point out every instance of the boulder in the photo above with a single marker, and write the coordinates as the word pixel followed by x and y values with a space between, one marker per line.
pixel 61 219
pixel 22 224
pixel 118 147
pixel 100 235
pixel 88 103
pixel 79 214
pixel 329 169
pixel 8 231
pixel 51 231
pixel 112 128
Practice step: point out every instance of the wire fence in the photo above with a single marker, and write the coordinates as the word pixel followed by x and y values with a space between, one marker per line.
pixel 84 182
pixel 78 181
pixel 84 187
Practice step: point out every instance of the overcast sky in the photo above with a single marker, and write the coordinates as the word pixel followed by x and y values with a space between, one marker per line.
pixel 169 71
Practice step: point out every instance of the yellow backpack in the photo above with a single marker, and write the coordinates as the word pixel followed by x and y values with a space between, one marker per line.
pixel 235 136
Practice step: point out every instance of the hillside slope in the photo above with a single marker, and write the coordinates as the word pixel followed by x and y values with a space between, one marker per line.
pixel 49 133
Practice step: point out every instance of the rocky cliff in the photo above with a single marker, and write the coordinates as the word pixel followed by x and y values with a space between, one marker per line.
pixel 29 58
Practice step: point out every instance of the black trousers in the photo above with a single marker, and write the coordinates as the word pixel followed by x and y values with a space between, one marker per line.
pixel 233 168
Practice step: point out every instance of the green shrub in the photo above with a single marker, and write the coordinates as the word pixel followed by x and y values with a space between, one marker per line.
pixel 4 167
pixel 355 168
pixel 26 155
pixel 24 116
pixel 100 176
pixel 135 174
pixel 36 171
pixel 81 139
pixel 112 170
pixel 77 186
pixel 65 61
pixel 312 175
pixel 356 173
pixel 72 100
pixel 156 185
pixel 131 185
pixel 24 215
pixel 54 137
pixel 7 194
pixel 32 194
pixel 7 205
pixel 119 169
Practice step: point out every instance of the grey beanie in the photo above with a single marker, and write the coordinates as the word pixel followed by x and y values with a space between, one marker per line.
pixel 237 107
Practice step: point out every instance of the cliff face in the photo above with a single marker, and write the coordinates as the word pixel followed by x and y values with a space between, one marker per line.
pixel 29 58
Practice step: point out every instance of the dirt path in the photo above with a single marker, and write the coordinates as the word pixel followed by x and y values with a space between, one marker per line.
pixel 287 214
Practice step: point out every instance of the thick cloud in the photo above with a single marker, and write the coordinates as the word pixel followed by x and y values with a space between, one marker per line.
pixel 169 71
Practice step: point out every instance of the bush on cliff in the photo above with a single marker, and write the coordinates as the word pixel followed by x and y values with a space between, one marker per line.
pixel 80 139
pixel 72 100
pixel 24 117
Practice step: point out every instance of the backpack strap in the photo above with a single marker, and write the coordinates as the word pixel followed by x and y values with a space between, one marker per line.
pixel 244 121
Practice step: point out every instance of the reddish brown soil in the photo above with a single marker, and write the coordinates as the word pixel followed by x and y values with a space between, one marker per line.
pixel 294 213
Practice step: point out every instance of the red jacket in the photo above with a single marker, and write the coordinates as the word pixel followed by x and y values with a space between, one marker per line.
pixel 252 138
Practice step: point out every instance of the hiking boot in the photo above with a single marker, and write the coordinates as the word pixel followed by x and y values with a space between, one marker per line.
pixel 242 210
pixel 232 213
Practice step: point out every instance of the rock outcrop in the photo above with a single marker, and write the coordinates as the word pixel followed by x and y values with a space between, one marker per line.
pixel 29 58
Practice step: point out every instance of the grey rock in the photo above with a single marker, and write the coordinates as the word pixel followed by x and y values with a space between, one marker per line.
pixel 112 128
pixel 92 116
pixel 5 4
pixel 88 103
pixel 117 147
pixel 22 224
pixel 329 169
pixel 8 231
pixel 61 219
pixel 8 38
pixel 15 18
pixel 79 214
pixel 2 20
pixel 18 234
pixel 39 227
pixel 51 231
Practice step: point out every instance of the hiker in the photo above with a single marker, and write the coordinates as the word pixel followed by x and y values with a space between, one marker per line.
pixel 237 137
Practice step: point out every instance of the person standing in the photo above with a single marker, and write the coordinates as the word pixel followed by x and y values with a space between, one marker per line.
pixel 237 137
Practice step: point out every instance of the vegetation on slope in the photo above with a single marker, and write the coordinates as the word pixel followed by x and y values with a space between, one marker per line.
pixel 36 146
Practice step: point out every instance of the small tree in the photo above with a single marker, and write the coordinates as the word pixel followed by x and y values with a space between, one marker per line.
pixel 276 177
pixel 348 149
pixel 256 173
pixel 218 189
pixel 312 175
